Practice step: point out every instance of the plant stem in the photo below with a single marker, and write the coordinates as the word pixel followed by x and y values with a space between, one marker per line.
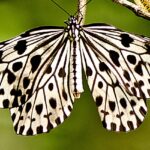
pixel 81 11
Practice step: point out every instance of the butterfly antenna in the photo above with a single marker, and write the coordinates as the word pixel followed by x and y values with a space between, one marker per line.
pixel 60 7
pixel 78 11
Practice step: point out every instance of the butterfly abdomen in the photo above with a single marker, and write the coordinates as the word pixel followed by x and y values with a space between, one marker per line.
pixel 75 63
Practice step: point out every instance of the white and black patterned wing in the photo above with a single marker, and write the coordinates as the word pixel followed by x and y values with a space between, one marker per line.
pixel 126 55
pixel 119 109
pixel 51 100
pixel 23 61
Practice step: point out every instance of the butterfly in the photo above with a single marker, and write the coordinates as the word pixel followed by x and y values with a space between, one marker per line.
pixel 41 75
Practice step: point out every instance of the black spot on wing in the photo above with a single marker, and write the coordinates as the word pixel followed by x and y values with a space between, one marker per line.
pixel 133 103
pixel 30 131
pixel 11 77
pixel 131 59
pixel 113 126
pixel 39 108
pixel 114 57
pixel 142 111
pixel 50 86
pixel 64 94
pixel 58 121
pixel 6 103
pixel 53 103
pixel 88 71
pixel 2 92
pixel 123 103
pixel 138 68
pixel 20 47
pixel 26 82
pixel 99 100
pixel 49 126
pixel 21 129
pixel 122 128
pixel 15 102
pixel 28 107
pixel 103 67
pixel 127 75
pixel 62 73
pixel 112 105
pixel 39 129
pixel 100 84
pixel 141 83
pixel 29 92
pixel 17 66
pixel 133 91
pixel 130 125
pixel 126 40
pixel 35 62
pixel 69 108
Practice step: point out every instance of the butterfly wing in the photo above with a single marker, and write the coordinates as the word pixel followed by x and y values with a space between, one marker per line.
pixel 126 55
pixel 118 106
pixel 34 76
pixel 51 100
pixel 24 60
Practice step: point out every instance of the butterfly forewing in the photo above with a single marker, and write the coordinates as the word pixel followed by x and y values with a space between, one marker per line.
pixel 24 60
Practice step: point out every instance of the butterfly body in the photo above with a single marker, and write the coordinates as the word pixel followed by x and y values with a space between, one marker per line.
pixel 76 84
pixel 41 75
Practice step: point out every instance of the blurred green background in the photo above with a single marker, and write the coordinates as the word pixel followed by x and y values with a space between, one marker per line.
pixel 83 129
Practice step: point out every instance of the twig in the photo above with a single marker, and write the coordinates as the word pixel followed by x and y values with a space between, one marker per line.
pixel 135 8
pixel 81 11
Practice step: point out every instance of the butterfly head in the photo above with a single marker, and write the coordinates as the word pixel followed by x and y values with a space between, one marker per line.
pixel 72 22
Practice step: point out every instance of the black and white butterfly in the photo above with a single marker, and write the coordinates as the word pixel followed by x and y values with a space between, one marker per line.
pixel 41 75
